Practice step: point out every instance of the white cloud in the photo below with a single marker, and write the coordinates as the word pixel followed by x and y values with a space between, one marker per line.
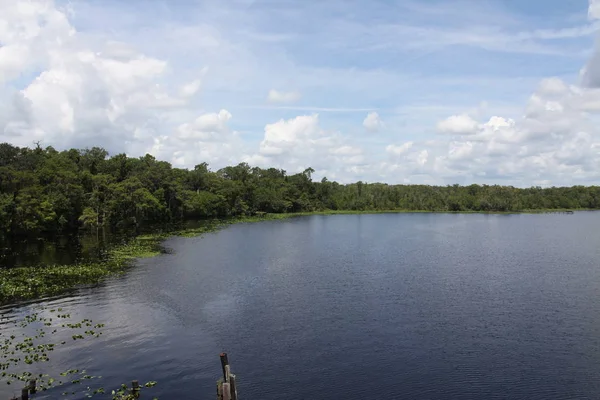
pixel 206 139
pixel 346 151
pixel 422 157
pixel 373 122
pixel 300 142
pixel 594 9
pixel 28 32
pixel 285 136
pixel 458 124
pixel 460 150
pixel 12 61
pixel 84 92
pixel 276 96
pixel 552 86
pixel 397 150
pixel 136 90
pixel 190 88
pixel 207 127
pixel 555 142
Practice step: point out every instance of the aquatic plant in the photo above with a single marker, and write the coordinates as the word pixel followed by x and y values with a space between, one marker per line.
pixel 25 283
pixel 26 342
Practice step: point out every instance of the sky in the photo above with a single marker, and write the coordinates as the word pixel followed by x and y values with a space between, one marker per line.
pixel 406 91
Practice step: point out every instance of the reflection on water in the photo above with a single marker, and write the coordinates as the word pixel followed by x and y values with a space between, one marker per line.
pixel 62 250
pixel 86 246
pixel 411 306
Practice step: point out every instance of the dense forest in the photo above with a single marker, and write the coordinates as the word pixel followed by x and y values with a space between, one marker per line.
pixel 45 190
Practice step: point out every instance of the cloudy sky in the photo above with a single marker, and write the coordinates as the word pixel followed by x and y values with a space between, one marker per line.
pixel 397 91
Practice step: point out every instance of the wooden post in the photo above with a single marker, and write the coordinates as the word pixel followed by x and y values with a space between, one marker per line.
pixel 224 362
pixel 220 389
pixel 233 387
pixel 227 373
pixel 135 389
pixel 226 391
pixel 32 386
pixel 226 386
pixel 25 393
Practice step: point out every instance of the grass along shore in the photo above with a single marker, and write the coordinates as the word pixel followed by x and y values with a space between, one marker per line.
pixel 27 283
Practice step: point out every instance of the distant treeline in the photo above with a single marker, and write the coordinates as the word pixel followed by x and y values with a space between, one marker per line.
pixel 44 190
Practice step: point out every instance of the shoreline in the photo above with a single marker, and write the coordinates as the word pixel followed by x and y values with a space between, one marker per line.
pixel 33 283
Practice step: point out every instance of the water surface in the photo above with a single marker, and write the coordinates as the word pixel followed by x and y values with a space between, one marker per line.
pixel 399 306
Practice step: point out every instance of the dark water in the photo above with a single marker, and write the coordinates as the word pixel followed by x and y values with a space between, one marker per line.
pixel 398 306
pixel 61 250
pixel 84 246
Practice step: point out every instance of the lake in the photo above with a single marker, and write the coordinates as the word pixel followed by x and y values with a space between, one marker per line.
pixel 396 306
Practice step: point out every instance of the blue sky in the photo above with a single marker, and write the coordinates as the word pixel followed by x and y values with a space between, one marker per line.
pixel 413 63
pixel 401 48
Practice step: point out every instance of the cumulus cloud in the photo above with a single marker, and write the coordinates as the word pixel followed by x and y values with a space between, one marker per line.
pixel 276 96
pixel 207 127
pixel 284 136
pixel 397 150
pixel 108 95
pixel 208 138
pixel 552 86
pixel 100 94
pixel 555 142
pixel 77 89
pixel 300 142
pixel 458 124
pixel 373 122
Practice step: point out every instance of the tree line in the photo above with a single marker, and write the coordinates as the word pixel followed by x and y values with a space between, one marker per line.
pixel 45 190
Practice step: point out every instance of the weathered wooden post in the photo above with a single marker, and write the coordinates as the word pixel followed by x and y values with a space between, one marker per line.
pixel 226 391
pixel 233 387
pixel 32 386
pixel 25 393
pixel 224 363
pixel 135 389
pixel 220 389
pixel 226 386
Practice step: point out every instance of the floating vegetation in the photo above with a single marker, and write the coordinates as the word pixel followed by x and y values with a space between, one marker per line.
pixel 25 283
pixel 26 342
pixel 133 393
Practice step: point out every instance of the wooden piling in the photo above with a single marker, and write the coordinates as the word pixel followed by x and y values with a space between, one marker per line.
pixel 226 391
pixel 233 387
pixel 224 362
pixel 32 386
pixel 226 386
pixel 25 393
pixel 220 389
pixel 135 389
